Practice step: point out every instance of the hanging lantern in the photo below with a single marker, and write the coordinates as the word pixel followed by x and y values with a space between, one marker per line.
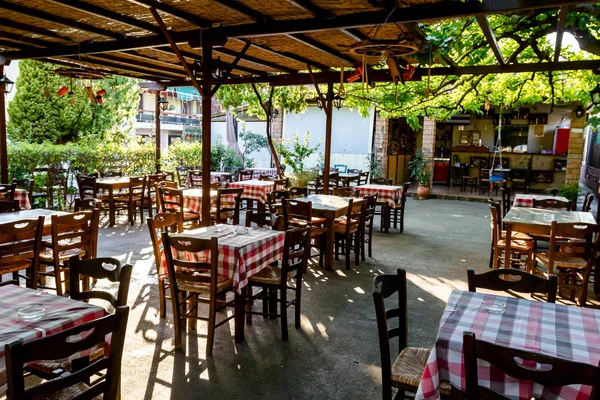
pixel 101 92
pixel 595 94
pixel 99 99
pixel 163 103
pixel 319 103
pixel 579 111
pixel 7 83
pixel 338 101
pixel 410 71
pixel 62 91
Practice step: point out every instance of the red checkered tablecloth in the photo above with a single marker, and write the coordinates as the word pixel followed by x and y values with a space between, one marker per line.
pixel 386 194
pixel 571 333
pixel 22 197
pixel 214 177
pixel 192 199
pixel 63 313
pixel 254 189
pixel 240 256
pixel 257 172
pixel 526 200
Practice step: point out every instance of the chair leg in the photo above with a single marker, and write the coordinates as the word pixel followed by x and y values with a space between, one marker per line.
pixel 265 302
pixel 395 217
pixel 249 304
pixel 272 303
pixel 283 308
pixel 297 303
pixel 211 325
pixel 161 299
pixel 347 246
pixel 491 255
pixel 176 320
pixel 357 247
pixel 58 280
pixel 362 245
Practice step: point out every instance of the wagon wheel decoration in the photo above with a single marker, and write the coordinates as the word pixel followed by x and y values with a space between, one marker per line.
pixel 379 48
pixel 82 74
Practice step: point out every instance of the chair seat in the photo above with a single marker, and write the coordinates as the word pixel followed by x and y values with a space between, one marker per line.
pixel 188 216
pixel 517 245
pixel 270 276
pixel 48 255
pixel 301 222
pixel 48 368
pixel 340 226
pixel 562 260
pixel 409 366
pixel 71 393
pixel 517 236
pixel 223 284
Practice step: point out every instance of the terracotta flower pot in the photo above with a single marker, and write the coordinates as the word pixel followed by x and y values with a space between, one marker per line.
pixel 423 192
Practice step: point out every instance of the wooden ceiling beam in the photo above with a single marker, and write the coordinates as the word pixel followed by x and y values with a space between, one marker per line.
pixel 140 64
pixel 5 22
pixel 484 24
pixel 175 12
pixel 560 30
pixel 115 67
pixel 291 56
pixel 24 39
pixel 55 19
pixel 194 56
pixel 258 61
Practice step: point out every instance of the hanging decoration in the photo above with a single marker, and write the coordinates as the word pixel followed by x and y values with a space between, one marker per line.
pixel 62 91
pixel 499 177
pixel 71 92
pixel 81 74
pixel 46 91
pixel 428 90
pixel 410 71
pixel 357 74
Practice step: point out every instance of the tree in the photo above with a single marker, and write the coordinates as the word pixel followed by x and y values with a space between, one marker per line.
pixel 253 142
pixel 33 117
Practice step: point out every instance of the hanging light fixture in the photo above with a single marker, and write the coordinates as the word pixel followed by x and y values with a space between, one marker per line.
pixel 163 103
pixel 338 101
pixel 8 84
pixel 319 103
pixel 579 111
pixel 595 94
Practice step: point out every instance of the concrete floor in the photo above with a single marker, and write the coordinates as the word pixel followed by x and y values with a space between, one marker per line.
pixel 335 354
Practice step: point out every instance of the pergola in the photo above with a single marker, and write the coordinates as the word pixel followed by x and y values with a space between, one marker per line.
pixel 280 42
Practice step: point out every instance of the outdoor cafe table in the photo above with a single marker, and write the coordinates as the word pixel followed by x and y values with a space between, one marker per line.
pixel 214 177
pixel 348 178
pixel 63 313
pixel 240 257
pixel 110 185
pixel 330 208
pixel 386 194
pixel 257 172
pixel 32 214
pixel 526 200
pixel 21 196
pixel 570 333
pixel 192 199
pixel 255 190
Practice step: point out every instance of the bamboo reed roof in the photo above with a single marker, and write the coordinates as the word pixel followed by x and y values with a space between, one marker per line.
pixel 122 37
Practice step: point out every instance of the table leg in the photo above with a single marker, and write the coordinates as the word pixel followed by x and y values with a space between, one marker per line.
pixel 260 206
pixel 111 207
pixel 330 235
pixel 239 315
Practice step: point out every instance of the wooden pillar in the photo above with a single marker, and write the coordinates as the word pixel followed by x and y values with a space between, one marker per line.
pixel 157 138
pixel 206 134
pixel 3 150
pixel 328 118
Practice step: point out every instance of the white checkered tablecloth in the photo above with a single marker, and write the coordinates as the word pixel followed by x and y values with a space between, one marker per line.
pixel 254 189
pixel 526 200
pixel 63 313
pixel 22 197
pixel 240 256
pixel 257 172
pixel 556 330
pixel 386 194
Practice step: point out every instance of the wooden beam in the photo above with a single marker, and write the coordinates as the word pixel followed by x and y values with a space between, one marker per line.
pixel 258 61
pixel 111 65
pixel 231 67
pixel 484 24
pixel 175 12
pixel 24 39
pixel 157 138
pixel 5 22
pixel 184 64
pixel 206 92
pixel 328 107
pixel 293 57
pixel 3 139
pixel 194 56
pixel 143 65
pixel 560 30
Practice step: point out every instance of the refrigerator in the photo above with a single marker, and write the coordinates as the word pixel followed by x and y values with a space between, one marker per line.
pixel 561 141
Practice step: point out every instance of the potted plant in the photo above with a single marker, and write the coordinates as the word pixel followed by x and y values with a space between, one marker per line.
pixel 571 192
pixel 420 173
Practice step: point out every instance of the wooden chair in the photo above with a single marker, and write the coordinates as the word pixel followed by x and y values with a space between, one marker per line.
pixel 368 224
pixel 345 191
pixel 151 198
pixel 169 175
pixel 397 211
pixel 551 204
pixel 556 372
pixel 197 281
pixel 134 199
pixel 227 178
pixel 347 232
pixel 573 250
pixel 219 185
pixel 521 244
pixel 7 191
pixel 381 181
pixel 163 222
pixel 194 178
pixel 405 373
pixel 111 174
pixel 334 181
pixel 245 175
pixel 506 202
pixel 228 206
pixel 587 202
pixel 363 178
pixel 88 204
pixel 522 282
pixel 263 220
pixel 275 196
pixel 274 279
pixel 182 174
pixel 298 214
pixel 58 346
pixel 315 186
pixel 171 201
pixel 57 187
pixel 281 183
pixel 87 186
pixel 342 168
pixel 72 234
pixel 295 192
pixel 9 206
pixel 20 247
pixel 266 178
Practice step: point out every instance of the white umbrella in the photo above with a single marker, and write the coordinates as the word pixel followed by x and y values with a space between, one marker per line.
pixel 230 132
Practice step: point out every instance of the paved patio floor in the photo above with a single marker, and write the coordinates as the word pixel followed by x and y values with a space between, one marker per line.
pixel 335 354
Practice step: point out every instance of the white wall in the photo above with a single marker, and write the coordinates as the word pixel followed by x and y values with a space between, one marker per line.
pixel 262 159
pixel 12 72
pixel 351 138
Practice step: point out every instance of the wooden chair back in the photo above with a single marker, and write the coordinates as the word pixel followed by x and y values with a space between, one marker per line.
pixel 219 185
pixel 561 236
pixel 484 174
pixel 182 271
pixel 245 175
pixel 354 216
pixel 62 346
pixel 74 231
pixel 226 178
pixel 334 179
pixel 137 189
pixel 87 186
pixel 170 199
pixel 296 214
pixel 514 280
pixel 363 178
pixel 163 222
pixel 194 178
pixel 506 203
pixel 353 171
pixel 296 251
pixel 262 219
pixel 587 202
pixel 228 200
pixel 88 204
pixel 345 191
pixel 276 195
pixel 153 179
pixel 169 175
pixel 21 244
pixel 495 220
pixel 381 181
pixel 7 191
pixel 282 183
pixel 9 206
pixel 550 371
pixel 182 173
pixel 384 286
pixel 295 192
pixel 267 178
pixel 99 268
pixel 404 195
pixel 370 207
pixel 551 204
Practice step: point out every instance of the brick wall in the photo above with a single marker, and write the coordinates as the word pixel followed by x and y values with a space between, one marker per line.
pixel 381 141
pixel 429 142
pixel 575 155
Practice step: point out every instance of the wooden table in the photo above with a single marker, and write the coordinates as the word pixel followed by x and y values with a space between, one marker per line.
pixel 330 208
pixel 348 178
pixel 192 199
pixel 526 200
pixel 255 189
pixel 32 214
pixel 110 185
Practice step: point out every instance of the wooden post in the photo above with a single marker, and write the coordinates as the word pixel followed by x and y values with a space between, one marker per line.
pixel 3 150
pixel 328 115
pixel 206 92
pixel 157 120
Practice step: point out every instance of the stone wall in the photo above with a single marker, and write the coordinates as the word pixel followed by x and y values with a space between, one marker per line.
pixel 576 145
pixel 429 143
pixel 381 141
